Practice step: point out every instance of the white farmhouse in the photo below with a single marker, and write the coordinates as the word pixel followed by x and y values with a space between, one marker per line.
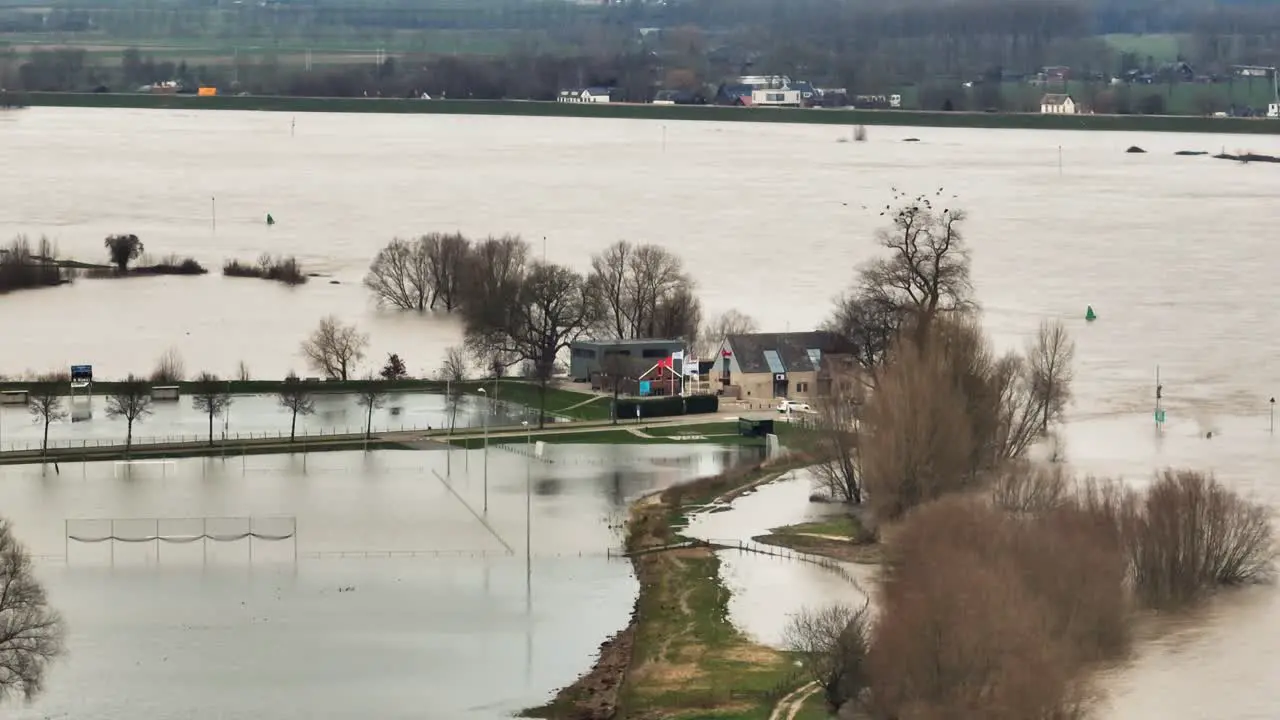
pixel 1057 105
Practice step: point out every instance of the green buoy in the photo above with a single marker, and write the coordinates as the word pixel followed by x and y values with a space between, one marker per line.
pixel 272 221
pixel 1090 315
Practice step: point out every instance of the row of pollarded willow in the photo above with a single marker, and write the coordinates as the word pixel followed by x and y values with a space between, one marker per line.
pixel 994 605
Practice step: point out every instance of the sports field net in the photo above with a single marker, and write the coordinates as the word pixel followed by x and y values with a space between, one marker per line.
pixel 181 530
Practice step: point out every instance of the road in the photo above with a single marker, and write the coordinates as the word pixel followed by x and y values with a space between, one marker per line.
pixel 351 441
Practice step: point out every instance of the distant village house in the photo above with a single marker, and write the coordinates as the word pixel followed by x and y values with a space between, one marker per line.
pixel 585 95
pixel 1057 105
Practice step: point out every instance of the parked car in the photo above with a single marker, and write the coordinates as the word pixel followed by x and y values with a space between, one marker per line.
pixel 786 406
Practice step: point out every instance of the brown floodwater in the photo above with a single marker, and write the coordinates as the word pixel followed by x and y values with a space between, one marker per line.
pixel 1174 253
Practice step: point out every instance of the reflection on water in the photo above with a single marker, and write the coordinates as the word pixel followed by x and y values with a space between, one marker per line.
pixel 767 591
pixel 443 629
pixel 254 416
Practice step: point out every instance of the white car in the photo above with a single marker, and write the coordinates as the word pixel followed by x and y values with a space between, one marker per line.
pixel 787 406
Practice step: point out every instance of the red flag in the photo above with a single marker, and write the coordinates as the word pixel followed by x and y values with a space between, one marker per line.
pixel 664 362
pixel 725 353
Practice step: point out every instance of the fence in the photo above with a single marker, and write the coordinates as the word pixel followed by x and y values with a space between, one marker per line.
pixel 181 531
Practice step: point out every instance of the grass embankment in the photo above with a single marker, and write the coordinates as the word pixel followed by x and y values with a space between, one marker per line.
pixel 1143 123
pixel 681 658
pixel 560 403
pixel 840 537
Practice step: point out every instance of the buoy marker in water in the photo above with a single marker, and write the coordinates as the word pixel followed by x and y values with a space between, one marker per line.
pixel 1089 314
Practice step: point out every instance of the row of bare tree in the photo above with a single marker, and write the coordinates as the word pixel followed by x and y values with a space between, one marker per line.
pixel 1004 581
pixel 520 310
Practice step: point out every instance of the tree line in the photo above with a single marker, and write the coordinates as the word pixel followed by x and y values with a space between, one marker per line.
pixel 867 48
pixel 519 310
pixel 1005 580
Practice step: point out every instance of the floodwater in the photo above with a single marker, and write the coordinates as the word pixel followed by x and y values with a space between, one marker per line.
pixel 766 592
pixel 253 416
pixel 1174 254
pixel 391 599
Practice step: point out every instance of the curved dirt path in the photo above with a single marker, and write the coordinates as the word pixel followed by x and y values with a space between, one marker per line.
pixel 790 704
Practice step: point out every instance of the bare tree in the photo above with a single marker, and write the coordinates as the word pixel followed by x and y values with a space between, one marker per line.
pixel 918 440
pixel 211 396
pixel 448 256
pixel 131 400
pixel 33 631
pixel 552 308
pixel 491 285
pixel 453 371
pixel 831 645
pixel 400 275
pixel 169 368
pixel 123 249
pixel 44 402
pixel 242 372
pixel 335 348
pixel 371 396
pixel 644 292
pixel 297 398
pixel 926 271
pixel 678 315
pixel 730 322
pixel 835 438
pixel 867 327
pixel 1051 356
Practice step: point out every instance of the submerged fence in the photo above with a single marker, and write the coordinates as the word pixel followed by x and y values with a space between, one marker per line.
pixel 180 531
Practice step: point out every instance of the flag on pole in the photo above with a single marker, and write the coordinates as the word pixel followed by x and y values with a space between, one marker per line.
pixel 677 355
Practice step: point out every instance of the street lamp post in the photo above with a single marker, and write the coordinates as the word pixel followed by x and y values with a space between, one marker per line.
pixel 528 512
pixel 486 449
pixel 1273 414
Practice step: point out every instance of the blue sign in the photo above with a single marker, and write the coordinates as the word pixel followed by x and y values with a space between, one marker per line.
pixel 81 373
pixel 644 387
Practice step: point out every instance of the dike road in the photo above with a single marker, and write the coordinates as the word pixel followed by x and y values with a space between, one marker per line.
pixel 393 440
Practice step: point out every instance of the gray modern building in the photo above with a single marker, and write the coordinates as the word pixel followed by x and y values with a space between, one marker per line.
pixel 626 357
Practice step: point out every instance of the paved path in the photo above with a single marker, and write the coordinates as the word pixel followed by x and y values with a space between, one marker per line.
pixel 353 441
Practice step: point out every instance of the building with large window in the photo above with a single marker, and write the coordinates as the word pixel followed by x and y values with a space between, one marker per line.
pixel 633 357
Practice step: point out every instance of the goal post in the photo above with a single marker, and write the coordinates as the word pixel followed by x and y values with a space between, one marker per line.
pixel 182 531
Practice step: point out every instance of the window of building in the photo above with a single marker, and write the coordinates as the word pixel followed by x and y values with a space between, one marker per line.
pixel 802 387
pixel 654 353
pixel 624 353
pixel 583 353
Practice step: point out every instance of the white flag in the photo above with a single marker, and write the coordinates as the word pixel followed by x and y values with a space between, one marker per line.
pixel 678 355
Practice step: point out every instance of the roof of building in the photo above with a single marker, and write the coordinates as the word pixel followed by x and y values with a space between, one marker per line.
pixel 1055 99
pixel 780 352
pixel 598 90
pixel 615 342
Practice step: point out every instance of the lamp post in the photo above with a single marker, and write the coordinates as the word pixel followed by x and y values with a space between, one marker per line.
pixel 1273 415
pixel 528 513
pixel 486 450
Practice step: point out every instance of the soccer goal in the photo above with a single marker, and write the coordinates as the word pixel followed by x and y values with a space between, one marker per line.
pixel 159 532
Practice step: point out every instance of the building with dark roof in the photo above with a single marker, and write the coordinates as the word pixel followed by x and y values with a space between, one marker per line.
pixel 630 357
pixel 769 365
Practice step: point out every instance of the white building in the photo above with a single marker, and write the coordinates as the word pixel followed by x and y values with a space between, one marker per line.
pixel 587 95
pixel 784 97
pixel 1057 105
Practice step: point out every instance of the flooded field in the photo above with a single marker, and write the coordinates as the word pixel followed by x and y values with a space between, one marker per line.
pixel 254 416
pixel 399 604
pixel 1172 252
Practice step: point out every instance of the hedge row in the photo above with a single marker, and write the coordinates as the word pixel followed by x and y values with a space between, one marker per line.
pixel 669 406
